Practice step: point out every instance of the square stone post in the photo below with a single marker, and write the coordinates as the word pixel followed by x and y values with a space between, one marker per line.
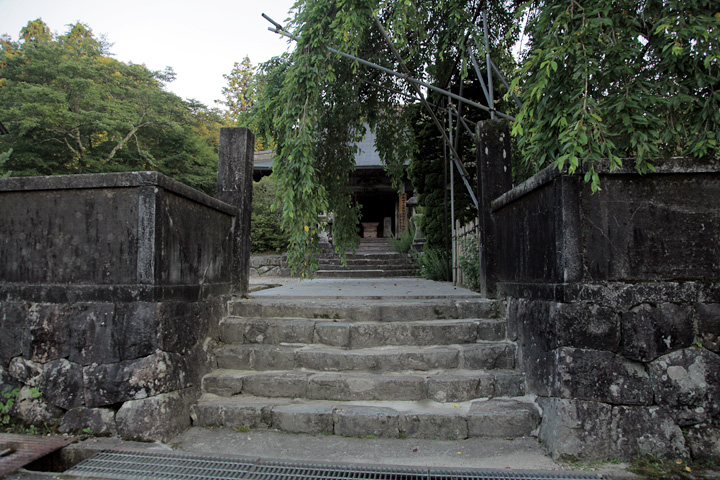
pixel 235 183
pixel 494 179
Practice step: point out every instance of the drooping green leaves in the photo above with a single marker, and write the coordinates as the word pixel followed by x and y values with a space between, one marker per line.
pixel 606 80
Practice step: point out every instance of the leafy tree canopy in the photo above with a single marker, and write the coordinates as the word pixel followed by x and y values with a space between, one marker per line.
pixel 244 89
pixel 71 108
pixel 316 104
pixel 601 80
pixel 619 79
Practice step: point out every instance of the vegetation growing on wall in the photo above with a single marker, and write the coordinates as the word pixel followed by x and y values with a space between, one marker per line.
pixel 71 108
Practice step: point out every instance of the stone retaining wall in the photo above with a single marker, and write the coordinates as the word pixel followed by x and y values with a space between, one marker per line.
pixel 111 286
pixel 614 300
pixel 269 266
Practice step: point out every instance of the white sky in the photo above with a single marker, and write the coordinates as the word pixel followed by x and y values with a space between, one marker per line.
pixel 200 40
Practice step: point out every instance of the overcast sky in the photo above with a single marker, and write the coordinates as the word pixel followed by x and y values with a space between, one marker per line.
pixel 200 39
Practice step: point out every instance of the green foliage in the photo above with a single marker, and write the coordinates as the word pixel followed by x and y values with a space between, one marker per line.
pixel 3 159
pixel 245 86
pixel 8 398
pixel 469 260
pixel 403 243
pixel 315 103
pixel 266 234
pixel 606 80
pixel 433 264
pixel 71 108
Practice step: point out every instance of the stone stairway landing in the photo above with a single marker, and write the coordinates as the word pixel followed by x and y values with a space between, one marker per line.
pixel 388 367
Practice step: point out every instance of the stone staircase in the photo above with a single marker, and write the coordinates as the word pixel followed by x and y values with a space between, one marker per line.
pixel 375 258
pixel 422 368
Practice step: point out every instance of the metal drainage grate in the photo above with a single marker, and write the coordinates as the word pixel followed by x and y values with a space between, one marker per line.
pixel 178 466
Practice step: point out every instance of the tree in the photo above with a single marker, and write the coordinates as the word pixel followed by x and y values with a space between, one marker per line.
pixel 608 80
pixel 71 108
pixel 316 104
pixel 242 93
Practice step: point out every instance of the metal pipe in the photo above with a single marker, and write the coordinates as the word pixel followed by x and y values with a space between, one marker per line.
pixel 505 82
pixel 455 156
pixel 405 76
pixel 452 201
pixel 491 100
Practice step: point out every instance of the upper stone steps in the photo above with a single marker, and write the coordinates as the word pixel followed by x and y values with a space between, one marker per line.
pixel 359 334
pixel 455 385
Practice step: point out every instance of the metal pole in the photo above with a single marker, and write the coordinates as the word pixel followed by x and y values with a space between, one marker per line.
pixel 452 205
pixel 491 100
pixel 279 30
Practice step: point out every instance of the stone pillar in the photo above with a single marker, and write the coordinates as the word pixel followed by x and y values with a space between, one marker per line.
pixel 235 183
pixel 494 179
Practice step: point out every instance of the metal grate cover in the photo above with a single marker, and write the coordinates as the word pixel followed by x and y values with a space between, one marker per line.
pixel 127 465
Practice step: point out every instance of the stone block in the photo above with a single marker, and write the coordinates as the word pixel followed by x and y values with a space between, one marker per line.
pixel 161 417
pixel 460 388
pixel 133 379
pixel 33 409
pixel 61 383
pixel 93 333
pixel 687 383
pixel 585 325
pixel 602 376
pixel 509 384
pixel 708 316
pixel 575 429
pixel 48 331
pixel 336 360
pixel 303 418
pixel 330 386
pixel 502 418
pixel 100 421
pixel 488 356
pixel 356 421
pixel 25 371
pixel 703 440
pixel 638 431
pixel 224 384
pixel 336 334
pixel 257 357
pixel 492 330
pixel 439 426
pixel 276 331
pixel 181 326
pixel 13 323
pixel 649 332
pixel 137 331
pixel 277 384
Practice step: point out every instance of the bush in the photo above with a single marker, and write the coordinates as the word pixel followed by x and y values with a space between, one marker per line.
pixel 266 233
pixel 433 264
pixel 403 243
pixel 469 259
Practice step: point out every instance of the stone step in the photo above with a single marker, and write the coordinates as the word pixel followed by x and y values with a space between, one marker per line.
pixel 485 356
pixel 389 264
pixel 360 334
pixel 440 386
pixel 362 309
pixel 369 273
pixel 507 418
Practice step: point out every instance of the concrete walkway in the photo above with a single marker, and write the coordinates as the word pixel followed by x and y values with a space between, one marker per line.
pixel 361 289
